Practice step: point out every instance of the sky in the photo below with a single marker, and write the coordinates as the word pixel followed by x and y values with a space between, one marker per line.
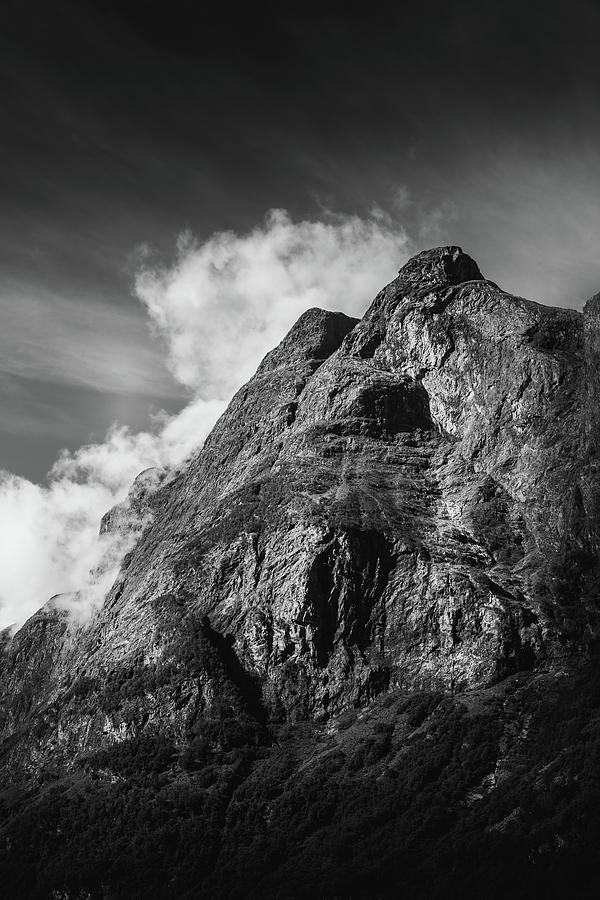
pixel 144 146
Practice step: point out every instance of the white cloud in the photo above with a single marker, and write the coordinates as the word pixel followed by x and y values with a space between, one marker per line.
pixel 49 534
pixel 224 303
pixel 219 307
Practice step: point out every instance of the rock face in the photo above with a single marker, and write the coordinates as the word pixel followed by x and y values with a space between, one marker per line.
pixel 405 503
pixel 135 512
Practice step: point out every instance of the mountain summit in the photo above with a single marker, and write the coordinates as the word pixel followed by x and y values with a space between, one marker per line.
pixel 352 652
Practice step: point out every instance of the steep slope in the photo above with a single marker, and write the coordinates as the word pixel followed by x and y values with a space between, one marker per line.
pixel 405 506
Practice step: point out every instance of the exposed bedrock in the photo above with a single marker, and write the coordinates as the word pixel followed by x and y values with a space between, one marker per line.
pixel 410 499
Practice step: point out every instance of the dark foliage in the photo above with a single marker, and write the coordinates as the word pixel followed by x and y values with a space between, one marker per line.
pixel 420 796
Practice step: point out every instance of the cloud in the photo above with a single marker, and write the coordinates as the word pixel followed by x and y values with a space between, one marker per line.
pixel 50 542
pixel 224 303
pixel 219 307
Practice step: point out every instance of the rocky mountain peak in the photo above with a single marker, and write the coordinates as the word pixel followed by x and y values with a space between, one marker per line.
pixel 439 266
pixel 315 335
pixel 397 506
pixel 131 514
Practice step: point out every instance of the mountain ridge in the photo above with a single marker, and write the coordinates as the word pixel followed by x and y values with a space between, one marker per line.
pixel 404 505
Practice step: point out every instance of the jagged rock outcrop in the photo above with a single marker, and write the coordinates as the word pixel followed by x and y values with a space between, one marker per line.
pixel 136 510
pixel 408 502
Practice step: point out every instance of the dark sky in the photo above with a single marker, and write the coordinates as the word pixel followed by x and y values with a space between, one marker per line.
pixel 473 123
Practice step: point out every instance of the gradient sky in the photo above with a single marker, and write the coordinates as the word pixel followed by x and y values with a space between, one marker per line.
pixel 474 123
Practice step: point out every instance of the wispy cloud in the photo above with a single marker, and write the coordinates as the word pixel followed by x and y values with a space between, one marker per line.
pixel 50 541
pixel 95 345
pixel 219 307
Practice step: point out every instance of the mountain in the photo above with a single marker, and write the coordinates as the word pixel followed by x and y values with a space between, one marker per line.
pixel 353 652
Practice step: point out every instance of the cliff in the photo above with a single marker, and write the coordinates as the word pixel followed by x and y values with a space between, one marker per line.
pixel 389 541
